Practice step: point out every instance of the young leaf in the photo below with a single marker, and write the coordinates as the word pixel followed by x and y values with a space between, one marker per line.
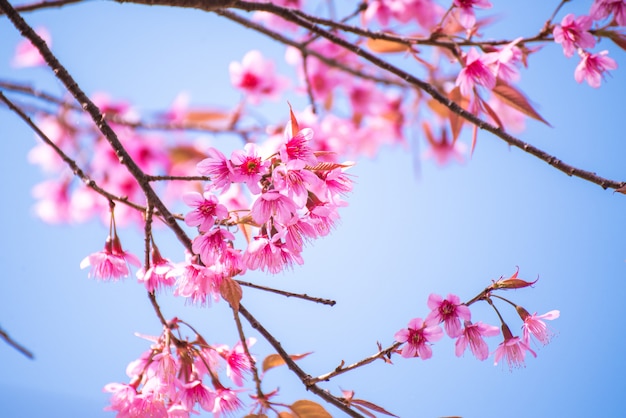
pixel 372 406
pixel 516 99
pixel 384 46
pixel 309 409
pixel 294 123
pixel 456 121
pixel 274 360
pixel 231 292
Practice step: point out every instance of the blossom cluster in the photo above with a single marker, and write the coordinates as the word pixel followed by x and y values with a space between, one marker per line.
pixel 176 378
pixel 296 199
pixel 416 339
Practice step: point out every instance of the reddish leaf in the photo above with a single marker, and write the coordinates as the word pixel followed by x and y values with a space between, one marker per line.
pixel 184 154
pixel 275 360
pixel 256 416
pixel 384 46
pixel 474 138
pixel 231 292
pixel 373 407
pixel 516 99
pixel 285 414
pixel 309 409
pixel 456 121
pixel 491 113
pixel 328 166
pixel 206 116
pixel 294 123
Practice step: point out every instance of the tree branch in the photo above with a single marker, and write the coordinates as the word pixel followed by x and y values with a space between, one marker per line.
pixel 304 377
pixel 97 117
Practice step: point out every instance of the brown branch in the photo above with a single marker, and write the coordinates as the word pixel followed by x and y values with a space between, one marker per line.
pixel 98 118
pixel 244 344
pixel 341 369
pixel 289 294
pixel 78 172
pixel 44 5
pixel 304 377
pixel 301 46
pixel 435 94
pixel 15 344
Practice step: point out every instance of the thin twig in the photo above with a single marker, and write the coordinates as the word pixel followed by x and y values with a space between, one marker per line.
pixel 304 377
pixel 435 94
pixel 244 344
pixel 341 369
pixel 98 118
pixel 19 347
pixel 289 294
pixel 89 182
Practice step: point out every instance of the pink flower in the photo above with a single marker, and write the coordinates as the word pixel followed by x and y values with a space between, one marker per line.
pixel 573 33
pixel 384 10
pixel 195 392
pixel 476 71
pixel 512 349
pixel 601 9
pixel 27 54
pixel 195 281
pixel 473 335
pixel 273 255
pixel 157 275
pixel 298 230
pixel 249 167
pixel 272 205
pixel 533 325
pixel 218 168
pixel 296 181
pixel 417 336
pixel 449 311
pixel 112 263
pixel 592 67
pixel 212 245
pixel 256 77
pixel 122 396
pixel 467 19
pixel 297 147
pixel 208 209
pixel 226 402
pixel 237 361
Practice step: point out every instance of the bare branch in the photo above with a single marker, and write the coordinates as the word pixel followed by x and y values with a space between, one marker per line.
pixel 15 344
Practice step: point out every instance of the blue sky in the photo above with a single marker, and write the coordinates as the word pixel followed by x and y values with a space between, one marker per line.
pixel 408 231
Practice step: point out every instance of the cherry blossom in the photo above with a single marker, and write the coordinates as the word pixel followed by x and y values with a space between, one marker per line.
pixel 573 33
pixel 476 71
pixel 112 263
pixel 218 169
pixel 534 325
pixel 256 77
pixel 592 67
pixel 273 205
pixel 194 392
pixel 512 349
pixel 207 210
pixel 417 337
pixel 601 9
pixel 472 335
pixel 467 18
pixel 27 55
pixel 157 275
pixel 450 311
pixel 249 167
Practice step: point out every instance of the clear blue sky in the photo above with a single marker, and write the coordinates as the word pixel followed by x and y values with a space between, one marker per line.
pixel 402 237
